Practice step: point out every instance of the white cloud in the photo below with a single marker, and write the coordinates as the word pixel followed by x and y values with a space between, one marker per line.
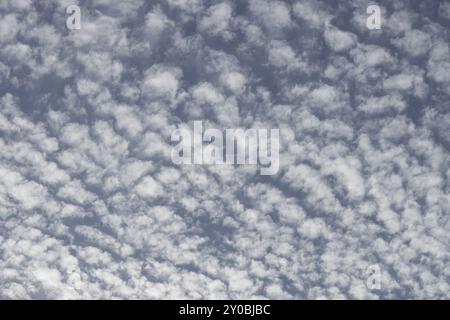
pixel 92 206
pixel 339 40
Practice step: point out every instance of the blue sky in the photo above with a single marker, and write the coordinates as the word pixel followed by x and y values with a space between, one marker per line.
pixel 92 207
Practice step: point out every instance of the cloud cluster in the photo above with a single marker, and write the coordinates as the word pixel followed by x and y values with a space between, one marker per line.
pixel 91 205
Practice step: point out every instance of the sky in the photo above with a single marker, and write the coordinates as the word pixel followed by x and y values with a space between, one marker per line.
pixel 93 207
